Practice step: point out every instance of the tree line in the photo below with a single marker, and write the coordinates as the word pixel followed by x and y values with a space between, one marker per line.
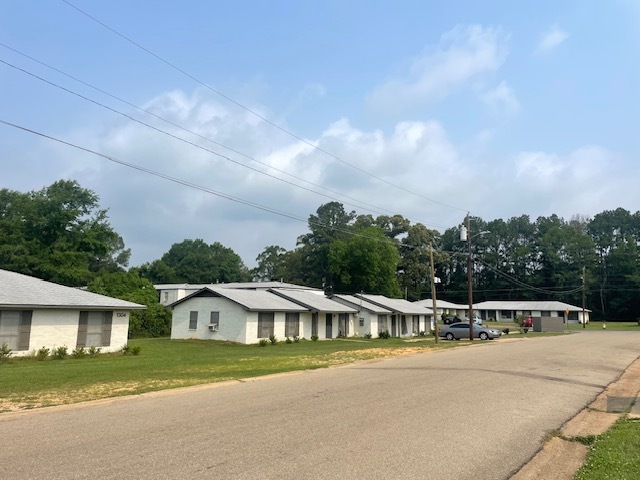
pixel 61 234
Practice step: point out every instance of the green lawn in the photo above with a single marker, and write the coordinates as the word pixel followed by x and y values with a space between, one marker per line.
pixel 164 363
pixel 593 325
pixel 614 455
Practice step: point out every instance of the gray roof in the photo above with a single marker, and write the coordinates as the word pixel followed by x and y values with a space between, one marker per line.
pixel 360 303
pixel 23 291
pixel 313 301
pixel 396 304
pixel 427 302
pixel 235 285
pixel 254 300
pixel 543 305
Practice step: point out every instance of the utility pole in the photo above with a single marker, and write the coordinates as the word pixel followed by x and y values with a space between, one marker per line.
pixel 433 293
pixel 584 299
pixel 470 278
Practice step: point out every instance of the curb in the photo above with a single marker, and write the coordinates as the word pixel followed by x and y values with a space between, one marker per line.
pixel 563 455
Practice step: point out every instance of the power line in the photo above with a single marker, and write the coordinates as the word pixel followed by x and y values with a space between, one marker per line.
pixel 360 203
pixel 253 112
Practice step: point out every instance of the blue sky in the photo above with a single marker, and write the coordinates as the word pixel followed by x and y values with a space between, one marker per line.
pixel 498 108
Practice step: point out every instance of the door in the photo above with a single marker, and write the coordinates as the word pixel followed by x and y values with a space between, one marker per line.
pixel 329 331
pixel 314 324
pixel 394 326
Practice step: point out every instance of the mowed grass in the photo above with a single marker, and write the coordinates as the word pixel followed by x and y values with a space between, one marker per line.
pixel 615 455
pixel 597 325
pixel 162 364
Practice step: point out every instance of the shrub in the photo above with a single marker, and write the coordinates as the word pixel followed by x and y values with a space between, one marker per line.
pixel 288 340
pixel 5 352
pixel 78 352
pixel 125 349
pixel 384 334
pixel 42 353
pixel 135 349
pixel 314 338
pixel 263 342
pixel 60 353
pixel 93 351
pixel 525 329
pixel 505 331
pixel 273 339
pixel 341 335
pixel 422 333
pixel 296 338
pixel 367 335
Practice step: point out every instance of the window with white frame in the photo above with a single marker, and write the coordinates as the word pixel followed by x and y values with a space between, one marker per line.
pixel 292 324
pixel 15 328
pixel 94 329
pixel 265 324
pixel 214 320
pixel 382 323
pixel 193 320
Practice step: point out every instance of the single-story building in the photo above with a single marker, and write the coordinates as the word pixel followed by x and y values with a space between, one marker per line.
pixel 443 306
pixel 172 292
pixel 371 318
pixel 35 313
pixel 506 311
pixel 407 318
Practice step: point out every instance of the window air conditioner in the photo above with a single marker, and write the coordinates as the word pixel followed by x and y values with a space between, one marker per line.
pixel 213 327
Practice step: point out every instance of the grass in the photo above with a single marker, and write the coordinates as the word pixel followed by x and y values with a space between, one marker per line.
pixel 615 326
pixel 615 454
pixel 164 364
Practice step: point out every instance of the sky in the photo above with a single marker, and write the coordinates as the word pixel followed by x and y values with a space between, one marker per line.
pixel 234 121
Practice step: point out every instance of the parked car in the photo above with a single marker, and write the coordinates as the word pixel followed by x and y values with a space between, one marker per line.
pixel 450 320
pixel 459 330
pixel 477 320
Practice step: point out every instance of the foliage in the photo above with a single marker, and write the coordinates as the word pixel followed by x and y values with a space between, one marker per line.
pixel 296 338
pixel 314 338
pixel 367 335
pixel 263 342
pixel 288 340
pixel 60 353
pixel 93 351
pixel 5 352
pixel 385 334
pixel 59 234
pixel 273 339
pixel 78 352
pixel 155 321
pixel 271 264
pixel 194 261
pixel 42 353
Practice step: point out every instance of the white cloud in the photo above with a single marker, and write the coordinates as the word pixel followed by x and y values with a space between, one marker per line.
pixel 551 39
pixel 502 98
pixel 462 55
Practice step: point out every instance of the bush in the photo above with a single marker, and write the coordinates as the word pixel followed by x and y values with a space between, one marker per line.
pixel 384 334
pixel 505 331
pixel 263 342
pixel 288 340
pixel 60 353
pixel 422 333
pixel 78 352
pixel 130 349
pixel 135 349
pixel 125 349
pixel 93 351
pixel 42 353
pixel 296 338
pixel 5 352
pixel 273 339
pixel 367 335
pixel 314 338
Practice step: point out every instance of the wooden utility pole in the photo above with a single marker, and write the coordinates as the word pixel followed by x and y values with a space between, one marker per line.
pixel 584 299
pixel 470 277
pixel 433 293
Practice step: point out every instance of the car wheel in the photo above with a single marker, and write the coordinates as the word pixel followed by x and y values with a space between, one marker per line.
pixel 484 336
pixel 449 336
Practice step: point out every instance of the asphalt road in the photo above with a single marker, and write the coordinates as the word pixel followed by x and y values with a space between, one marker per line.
pixel 469 413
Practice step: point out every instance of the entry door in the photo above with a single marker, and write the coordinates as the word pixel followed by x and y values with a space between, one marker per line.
pixel 329 332
pixel 394 326
pixel 314 323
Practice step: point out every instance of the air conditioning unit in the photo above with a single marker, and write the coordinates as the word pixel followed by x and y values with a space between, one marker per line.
pixel 213 327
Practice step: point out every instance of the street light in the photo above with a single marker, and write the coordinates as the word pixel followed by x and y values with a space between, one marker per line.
pixel 466 237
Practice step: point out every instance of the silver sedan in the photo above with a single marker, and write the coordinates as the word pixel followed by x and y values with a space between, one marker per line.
pixel 461 330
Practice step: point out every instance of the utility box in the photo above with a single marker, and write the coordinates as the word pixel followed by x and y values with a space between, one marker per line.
pixel 548 324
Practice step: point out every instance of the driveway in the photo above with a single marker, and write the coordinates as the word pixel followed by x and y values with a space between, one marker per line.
pixel 478 412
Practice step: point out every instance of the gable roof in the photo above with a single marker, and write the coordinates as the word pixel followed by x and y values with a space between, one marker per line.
pixel 235 285
pixel 22 291
pixel 543 305
pixel 396 305
pixel 313 301
pixel 253 300
pixel 360 303
pixel 427 302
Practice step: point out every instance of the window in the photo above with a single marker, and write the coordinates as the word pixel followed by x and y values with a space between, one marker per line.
pixel 314 324
pixel 214 320
pixel 505 314
pixel 343 324
pixel 94 329
pixel 545 314
pixel 193 320
pixel 166 296
pixel 416 324
pixel 382 323
pixel 403 324
pixel 265 324
pixel 292 324
pixel 15 328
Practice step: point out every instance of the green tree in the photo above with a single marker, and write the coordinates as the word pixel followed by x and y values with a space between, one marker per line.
pixel 155 321
pixel 59 234
pixel 271 264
